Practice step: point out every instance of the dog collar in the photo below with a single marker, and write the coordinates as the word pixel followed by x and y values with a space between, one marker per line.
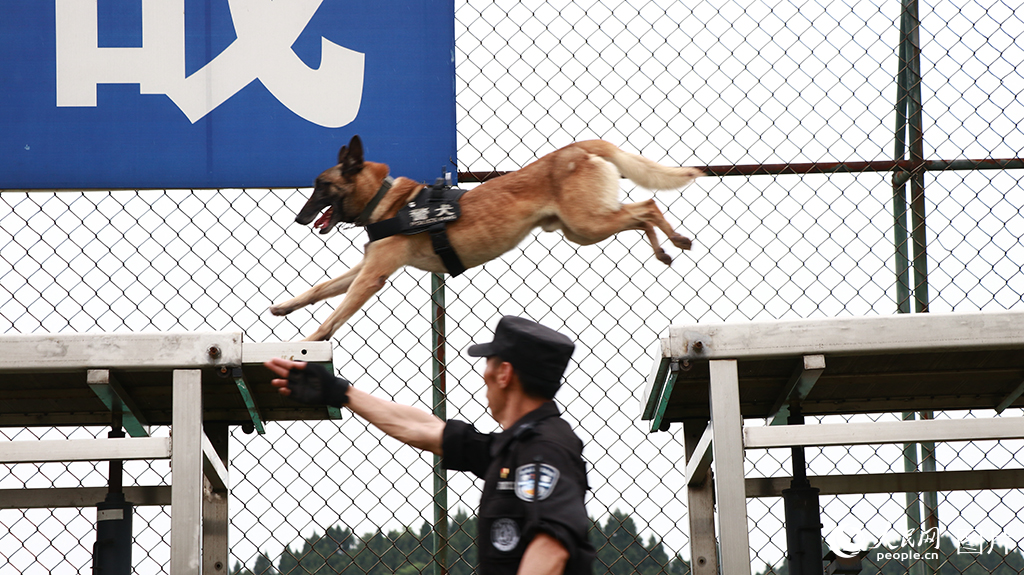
pixel 364 218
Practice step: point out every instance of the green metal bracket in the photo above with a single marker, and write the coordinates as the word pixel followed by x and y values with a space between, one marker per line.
pixel 660 372
pixel 798 388
pixel 659 414
pixel 249 399
pixel 110 392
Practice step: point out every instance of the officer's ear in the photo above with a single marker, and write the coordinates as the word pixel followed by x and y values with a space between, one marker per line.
pixel 505 372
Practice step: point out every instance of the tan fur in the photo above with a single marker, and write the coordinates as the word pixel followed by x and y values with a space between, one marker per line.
pixel 574 189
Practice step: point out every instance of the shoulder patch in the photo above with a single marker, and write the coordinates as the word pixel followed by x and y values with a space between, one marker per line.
pixel 505 534
pixel 525 481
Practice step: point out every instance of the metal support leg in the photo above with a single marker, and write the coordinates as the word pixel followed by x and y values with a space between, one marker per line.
pixel 112 551
pixel 215 508
pixel 186 472
pixel 700 502
pixel 730 489
pixel 803 513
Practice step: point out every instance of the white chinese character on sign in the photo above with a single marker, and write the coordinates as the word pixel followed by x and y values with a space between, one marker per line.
pixel 264 33
pixel 444 210
pixel 419 214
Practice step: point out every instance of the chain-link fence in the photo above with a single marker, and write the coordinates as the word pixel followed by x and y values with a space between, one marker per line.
pixel 818 89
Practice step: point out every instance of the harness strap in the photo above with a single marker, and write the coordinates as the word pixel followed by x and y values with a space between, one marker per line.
pixel 444 250
pixel 432 197
pixel 383 229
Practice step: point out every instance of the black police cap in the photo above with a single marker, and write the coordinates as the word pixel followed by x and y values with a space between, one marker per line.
pixel 539 354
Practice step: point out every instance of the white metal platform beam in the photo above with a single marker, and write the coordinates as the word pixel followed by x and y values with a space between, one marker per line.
pixel 883 432
pixel 85 450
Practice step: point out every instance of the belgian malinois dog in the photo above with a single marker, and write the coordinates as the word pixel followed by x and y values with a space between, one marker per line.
pixel 574 189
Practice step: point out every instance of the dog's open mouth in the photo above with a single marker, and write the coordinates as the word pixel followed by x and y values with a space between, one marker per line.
pixel 324 219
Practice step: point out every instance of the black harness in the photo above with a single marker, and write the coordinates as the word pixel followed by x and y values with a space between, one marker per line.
pixel 430 211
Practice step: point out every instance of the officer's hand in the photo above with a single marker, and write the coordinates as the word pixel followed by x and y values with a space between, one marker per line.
pixel 308 383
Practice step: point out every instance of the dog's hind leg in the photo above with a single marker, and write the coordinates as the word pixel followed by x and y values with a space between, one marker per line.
pixel 587 228
pixel 658 219
pixel 659 253
pixel 320 292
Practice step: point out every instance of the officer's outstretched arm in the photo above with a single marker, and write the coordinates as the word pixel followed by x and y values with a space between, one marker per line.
pixel 405 423
pixel 545 555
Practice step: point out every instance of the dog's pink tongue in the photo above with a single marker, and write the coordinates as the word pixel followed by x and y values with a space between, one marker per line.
pixel 324 219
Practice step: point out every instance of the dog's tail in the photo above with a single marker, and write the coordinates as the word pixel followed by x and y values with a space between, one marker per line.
pixel 644 172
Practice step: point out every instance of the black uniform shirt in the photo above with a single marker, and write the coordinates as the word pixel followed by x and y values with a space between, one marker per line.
pixel 508 463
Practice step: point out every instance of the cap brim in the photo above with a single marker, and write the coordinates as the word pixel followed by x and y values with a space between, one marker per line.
pixel 481 350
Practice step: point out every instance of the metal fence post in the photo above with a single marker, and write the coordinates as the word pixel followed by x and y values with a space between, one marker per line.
pixel 909 125
pixel 913 510
pixel 910 37
pixel 899 193
pixel 929 506
pixel 437 312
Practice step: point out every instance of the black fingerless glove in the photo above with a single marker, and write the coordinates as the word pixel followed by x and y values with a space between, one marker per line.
pixel 317 386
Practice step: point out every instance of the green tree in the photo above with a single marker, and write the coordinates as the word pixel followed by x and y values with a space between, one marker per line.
pixel 656 560
pixel 326 554
pixel 462 558
pixel 620 551
pixel 263 566
pixel 679 566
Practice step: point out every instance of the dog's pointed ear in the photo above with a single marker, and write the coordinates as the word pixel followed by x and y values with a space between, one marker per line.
pixel 351 158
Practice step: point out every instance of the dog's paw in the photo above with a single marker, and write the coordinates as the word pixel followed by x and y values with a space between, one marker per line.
pixel 663 257
pixel 281 309
pixel 681 242
pixel 318 337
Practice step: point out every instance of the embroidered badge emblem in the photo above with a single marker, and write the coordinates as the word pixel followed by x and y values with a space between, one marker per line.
pixel 504 534
pixel 525 481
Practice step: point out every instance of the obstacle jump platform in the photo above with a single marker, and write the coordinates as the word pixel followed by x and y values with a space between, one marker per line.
pixel 714 377
pixel 200 384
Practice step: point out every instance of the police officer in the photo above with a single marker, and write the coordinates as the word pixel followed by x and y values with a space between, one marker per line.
pixel 532 518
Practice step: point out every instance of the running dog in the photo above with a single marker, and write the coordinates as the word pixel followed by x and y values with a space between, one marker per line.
pixel 574 189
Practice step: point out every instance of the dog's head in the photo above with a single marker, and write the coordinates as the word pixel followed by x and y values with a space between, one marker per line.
pixel 343 190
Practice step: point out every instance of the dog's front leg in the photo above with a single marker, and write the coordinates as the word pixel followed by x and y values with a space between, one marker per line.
pixel 362 289
pixel 383 258
pixel 320 292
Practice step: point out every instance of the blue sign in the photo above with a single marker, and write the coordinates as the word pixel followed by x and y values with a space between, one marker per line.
pixel 110 94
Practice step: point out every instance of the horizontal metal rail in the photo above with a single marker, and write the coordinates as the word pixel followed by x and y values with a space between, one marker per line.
pixel 903 168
